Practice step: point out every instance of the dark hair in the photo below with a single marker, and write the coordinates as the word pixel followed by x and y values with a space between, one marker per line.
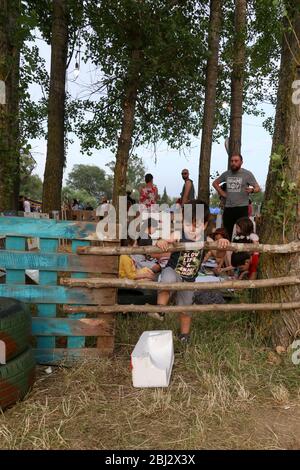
pixel 192 205
pixel 238 259
pixel 236 154
pixel 147 224
pixel 246 226
pixel 220 231
pixel 148 178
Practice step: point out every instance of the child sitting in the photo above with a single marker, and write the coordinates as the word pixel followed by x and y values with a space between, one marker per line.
pixel 219 256
pixel 246 263
pixel 128 268
pixel 245 231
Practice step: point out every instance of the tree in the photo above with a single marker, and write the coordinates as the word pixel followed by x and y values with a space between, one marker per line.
pixel 164 198
pixel 150 54
pixel 32 187
pixel 210 99
pixel 237 78
pixel 135 172
pixel 81 195
pixel 10 42
pixel 56 116
pixel 281 215
pixel 91 179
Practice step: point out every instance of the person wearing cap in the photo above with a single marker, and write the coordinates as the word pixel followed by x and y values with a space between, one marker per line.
pixel 188 190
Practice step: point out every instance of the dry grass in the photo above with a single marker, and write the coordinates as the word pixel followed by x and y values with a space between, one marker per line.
pixel 225 393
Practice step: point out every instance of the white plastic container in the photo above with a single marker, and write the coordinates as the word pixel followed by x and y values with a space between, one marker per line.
pixel 152 359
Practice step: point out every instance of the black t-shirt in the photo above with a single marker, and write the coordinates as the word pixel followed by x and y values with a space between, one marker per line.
pixel 186 263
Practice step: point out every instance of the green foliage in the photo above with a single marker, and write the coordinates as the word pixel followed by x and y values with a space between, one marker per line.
pixel 83 196
pixel 164 199
pixel 32 187
pixel 170 38
pixel 91 179
pixel 135 172
pixel 282 211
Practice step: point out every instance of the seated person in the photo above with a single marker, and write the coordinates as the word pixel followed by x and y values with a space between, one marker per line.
pixel 155 261
pixel 218 255
pixel 246 263
pixel 245 231
pixel 128 268
pixel 184 265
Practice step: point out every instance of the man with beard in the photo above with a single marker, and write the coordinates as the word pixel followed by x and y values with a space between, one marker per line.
pixel 239 184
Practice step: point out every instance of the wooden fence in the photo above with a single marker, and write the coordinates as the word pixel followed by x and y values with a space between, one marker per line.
pixel 84 282
pixel 58 336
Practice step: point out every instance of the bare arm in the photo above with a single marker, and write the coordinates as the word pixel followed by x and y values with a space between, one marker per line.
pixel 216 185
pixel 187 188
pixel 254 189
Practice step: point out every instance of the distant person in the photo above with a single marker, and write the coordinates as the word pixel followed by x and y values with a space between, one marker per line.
pixel 21 203
pixel 27 207
pixel 102 209
pixel 130 200
pixel 188 190
pixel 75 205
pixel 239 184
pixel 149 192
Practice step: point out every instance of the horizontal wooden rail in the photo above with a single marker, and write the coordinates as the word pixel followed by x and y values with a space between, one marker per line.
pixel 183 308
pixel 70 327
pixel 66 262
pixel 56 294
pixel 47 228
pixel 128 284
pixel 293 247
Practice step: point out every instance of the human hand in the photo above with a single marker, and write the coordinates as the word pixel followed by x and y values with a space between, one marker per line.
pixel 223 243
pixel 249 190
pixel 163 245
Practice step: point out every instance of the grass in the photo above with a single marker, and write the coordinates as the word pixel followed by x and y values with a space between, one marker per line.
pixel 228 391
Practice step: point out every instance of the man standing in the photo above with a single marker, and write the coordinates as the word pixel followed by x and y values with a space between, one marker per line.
pixel 188 190
pixel 239 184
pixel 27 207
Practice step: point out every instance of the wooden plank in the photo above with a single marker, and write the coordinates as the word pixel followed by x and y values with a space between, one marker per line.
pixel 57 294
pixel 293 247
pixel 94 283
pixel 47 278
pixel 107 343
pixel 57 261
pixel 69 327
pixel 15 275
pixel 67 356
pixel 107 310
pixel 74 342
pixel 47 228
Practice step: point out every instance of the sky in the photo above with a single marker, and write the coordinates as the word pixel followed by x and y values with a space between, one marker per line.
pixel 256 143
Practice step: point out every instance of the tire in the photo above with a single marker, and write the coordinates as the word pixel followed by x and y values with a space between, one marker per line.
pixel 16 378
pixel 15 326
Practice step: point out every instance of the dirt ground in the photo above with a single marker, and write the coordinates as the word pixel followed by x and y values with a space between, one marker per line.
pixel 228 391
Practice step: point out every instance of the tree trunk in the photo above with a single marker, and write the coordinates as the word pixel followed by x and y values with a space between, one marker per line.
pixel 125 139
pixel 210 100
pixel 9 105
pixel 237 78
pixel 56 114
pixel 282 194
